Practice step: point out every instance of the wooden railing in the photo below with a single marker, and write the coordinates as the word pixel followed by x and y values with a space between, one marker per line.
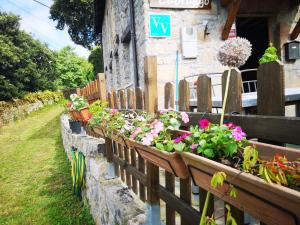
pixel 269 126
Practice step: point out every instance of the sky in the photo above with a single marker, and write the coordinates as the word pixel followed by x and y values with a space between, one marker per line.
pixel 35 20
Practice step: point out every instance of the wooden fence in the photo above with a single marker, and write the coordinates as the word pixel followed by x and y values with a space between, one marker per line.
pixel 269 126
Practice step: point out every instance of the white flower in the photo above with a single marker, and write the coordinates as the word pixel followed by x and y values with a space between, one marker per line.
pixel 234 52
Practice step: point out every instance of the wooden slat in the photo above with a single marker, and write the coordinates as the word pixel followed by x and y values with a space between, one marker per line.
pixel 169 178
pixel 112 104
pixel 169 95
pixel 123 104
pixel 131 105
pixel 151 104
pixel 274 128
pixel 131 169
pixel 130 99
pixel 296 31
pixel 234 104
pixel 116 100
pixel 225 3
pixel 139 96
pixel 110 100
pixel 270 89
pixel 234 99
pixel 204 104
pixel 188 213
pixel 102 86
pixel 184 95
pixel 204 100
pixel 141 162
pixel 185 184
pixel 232 12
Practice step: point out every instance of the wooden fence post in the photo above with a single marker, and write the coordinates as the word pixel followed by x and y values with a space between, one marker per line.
pixel 153 211
pixel 234 99
pixel 141 162
pixel 270 89
pixel 131 105
pixel 169 177
pixel 102 86
pixel 184 105
pixel 169 96
pixel 204 104
pixel 234 104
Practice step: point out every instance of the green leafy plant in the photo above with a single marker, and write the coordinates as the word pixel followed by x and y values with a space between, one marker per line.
pixel 78 102
pixel 217 180
pixel 270 55
pixel 78 170
pixel 250 155
pixel 213 141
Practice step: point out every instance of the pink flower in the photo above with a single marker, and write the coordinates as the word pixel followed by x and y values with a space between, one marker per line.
pixel 147 140
pixel 230 125
pixel 194 146
pixel 184 117
pixel 204 124
pixel 182 137
pixel 238 134
pixel 159 126
pixel 136 133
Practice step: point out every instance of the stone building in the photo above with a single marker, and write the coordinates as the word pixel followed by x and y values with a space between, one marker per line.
pixel 185 36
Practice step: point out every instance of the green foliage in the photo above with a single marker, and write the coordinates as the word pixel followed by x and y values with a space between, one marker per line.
pixel 20 108
pixel 213 142
pixel 78 102
pixel 96 58
pixel 218 179
pixel 270 55
pixel 78 167
pixel 250 155
pixel 229 219
pixel 26 64
pixel 78 18
pixel 97 109
pixel 73 71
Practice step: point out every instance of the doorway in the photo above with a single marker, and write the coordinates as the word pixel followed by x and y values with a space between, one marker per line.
pixel 256 30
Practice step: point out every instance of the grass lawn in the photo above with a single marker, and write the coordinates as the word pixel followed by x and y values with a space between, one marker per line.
pixel 35 180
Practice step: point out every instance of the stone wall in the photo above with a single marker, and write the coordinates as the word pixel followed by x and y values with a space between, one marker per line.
pixel 116 20
pixel 111 202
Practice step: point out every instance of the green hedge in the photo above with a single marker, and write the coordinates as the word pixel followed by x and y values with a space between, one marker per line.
pixel 19 108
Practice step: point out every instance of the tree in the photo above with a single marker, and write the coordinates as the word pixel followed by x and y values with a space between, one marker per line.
pixel 73 71
pixel 78 17
pixel 26 64
pixel 96 58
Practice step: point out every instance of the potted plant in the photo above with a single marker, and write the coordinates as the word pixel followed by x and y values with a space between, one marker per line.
pixel 75 126
pixel 152 139
pixel 81 105
pixel 211 148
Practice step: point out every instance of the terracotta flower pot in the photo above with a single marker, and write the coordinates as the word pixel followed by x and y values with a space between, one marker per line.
pixel 171 162
pixel 77 115
pixel 85 114
pixel 270 203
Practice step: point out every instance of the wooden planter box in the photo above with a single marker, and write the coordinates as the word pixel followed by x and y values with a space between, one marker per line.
pixel 118 138
pixel 99 131
pixel 171 162
pixel 270 203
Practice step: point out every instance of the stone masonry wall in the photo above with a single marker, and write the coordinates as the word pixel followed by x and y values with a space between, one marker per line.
pixel 116 20
pixel 110 201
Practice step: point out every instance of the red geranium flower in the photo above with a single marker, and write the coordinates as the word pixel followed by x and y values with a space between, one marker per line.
pixel 204 124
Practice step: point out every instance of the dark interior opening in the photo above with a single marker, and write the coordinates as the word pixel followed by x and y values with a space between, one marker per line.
pixel 254 29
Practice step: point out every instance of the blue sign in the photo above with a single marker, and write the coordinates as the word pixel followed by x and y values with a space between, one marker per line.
pixel 160 25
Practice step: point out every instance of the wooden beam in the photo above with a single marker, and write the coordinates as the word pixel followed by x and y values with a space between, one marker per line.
pixel 296 31
pixel 225 3
pixel 233 10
